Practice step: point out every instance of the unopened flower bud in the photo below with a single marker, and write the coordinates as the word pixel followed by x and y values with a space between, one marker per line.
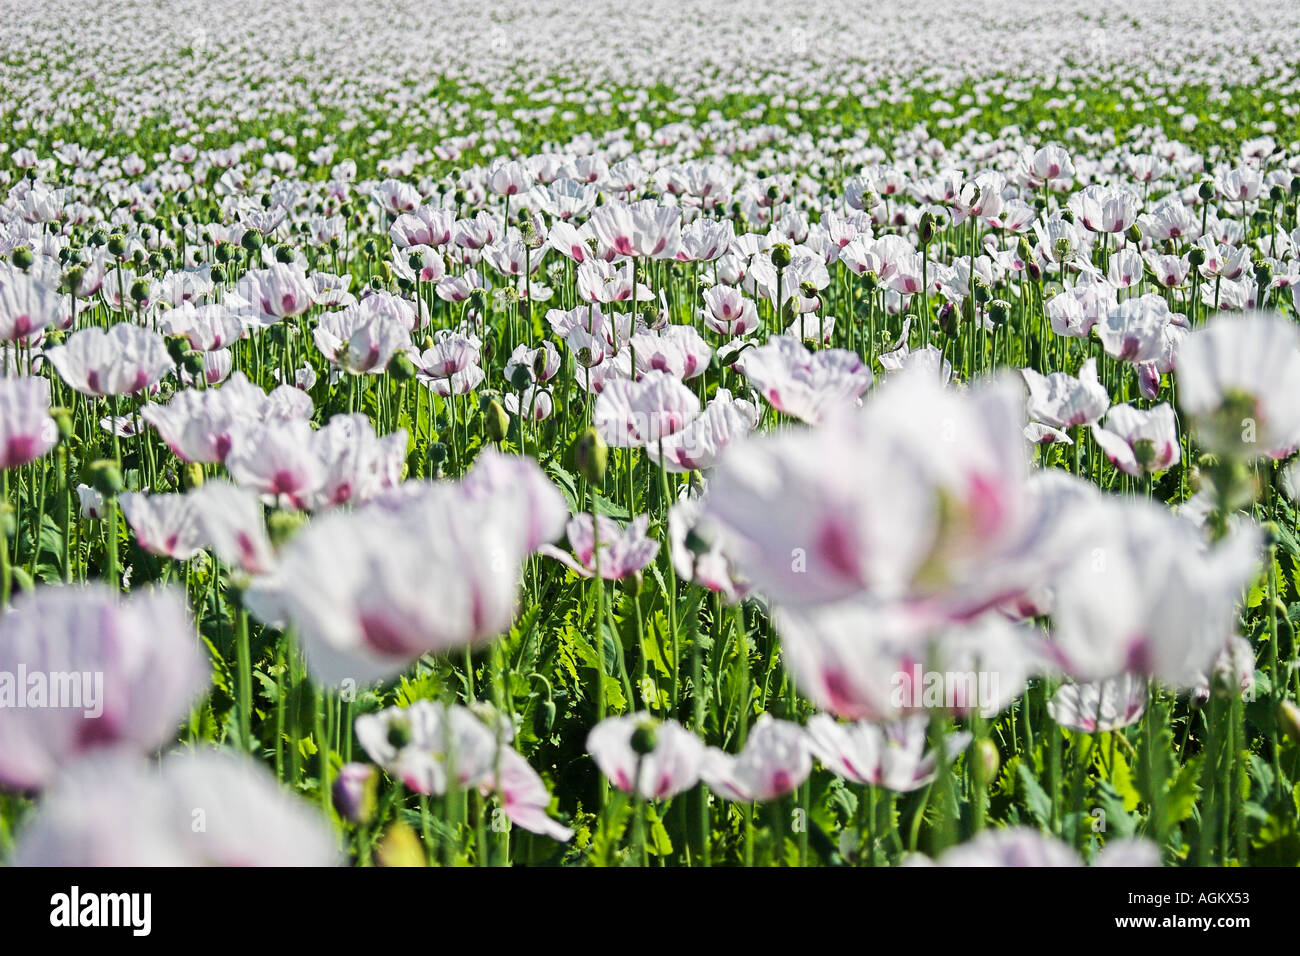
pixel 400 848
pixel 496 422
pixel 283 525
pixel 948 319
pixel 105 476
pixel 355 791
pixel 925 228
pixel 1288 718
pixel 987 761
pixel 63 419
pixel 401 367
pixel 591 456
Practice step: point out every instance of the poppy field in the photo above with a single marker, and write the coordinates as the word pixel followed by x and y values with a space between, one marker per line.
pixel 683 435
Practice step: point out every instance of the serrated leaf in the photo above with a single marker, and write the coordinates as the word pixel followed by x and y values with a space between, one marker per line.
pixel 1036 800
pixel 1180 799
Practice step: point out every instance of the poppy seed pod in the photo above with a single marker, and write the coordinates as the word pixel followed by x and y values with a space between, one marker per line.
pixel 225 252
pixel 283 254
pixel 23 257
pixel 520 378
pixel 781 255
pixel 117 245
pixel 999 311
pixel 399 732
pixel 1196 256
pixel 644 739
pixel 72 279
pixel 696 544
pixel 177 346
pixel 251 240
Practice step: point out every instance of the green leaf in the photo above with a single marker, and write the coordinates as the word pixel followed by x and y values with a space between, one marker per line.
pixel 1036 799
pixel 1180 800
pixel 1122 779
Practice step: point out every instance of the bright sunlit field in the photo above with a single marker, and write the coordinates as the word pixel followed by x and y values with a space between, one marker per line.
pixel 668 434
